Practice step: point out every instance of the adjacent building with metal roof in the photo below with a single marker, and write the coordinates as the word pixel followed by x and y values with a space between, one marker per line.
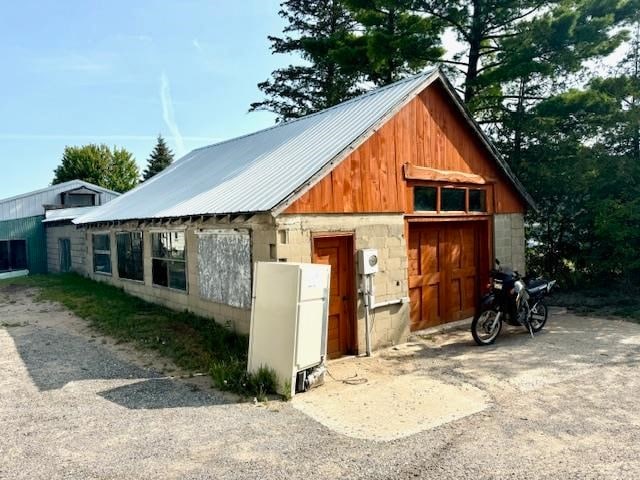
pixel 23 237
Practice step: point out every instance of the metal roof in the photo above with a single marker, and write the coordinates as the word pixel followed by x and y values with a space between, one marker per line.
pixel 32 203
pixel 60 214
pixel 260 171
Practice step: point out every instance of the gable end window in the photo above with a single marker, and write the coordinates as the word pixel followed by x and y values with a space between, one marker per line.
pixel 435 199
pixel 477 201
pixel 168 260
pixel 425 199
pixel 453 199
pixel 130 259
pixel 102 253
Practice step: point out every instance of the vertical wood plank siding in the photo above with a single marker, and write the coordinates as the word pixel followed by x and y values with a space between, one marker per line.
pixel 429 132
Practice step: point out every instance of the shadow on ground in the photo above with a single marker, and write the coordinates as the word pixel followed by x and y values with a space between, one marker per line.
pixel 160 393
pixel 54 358
pixel 568 345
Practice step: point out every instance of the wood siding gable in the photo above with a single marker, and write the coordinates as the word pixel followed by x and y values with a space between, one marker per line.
pixel 427 132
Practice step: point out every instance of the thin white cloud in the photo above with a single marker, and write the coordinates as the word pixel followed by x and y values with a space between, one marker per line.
pixel 197 45
pixel 169 116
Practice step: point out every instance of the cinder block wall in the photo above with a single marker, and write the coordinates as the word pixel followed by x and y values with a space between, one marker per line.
pixel 509 240
pixel 381 231
pixel 77 240
pixel 262 244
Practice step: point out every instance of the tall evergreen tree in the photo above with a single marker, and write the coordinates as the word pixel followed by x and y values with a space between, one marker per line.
pixel 113 169
pixel 513 40
pixel 395 40
pixel 161 157
pixel 319 31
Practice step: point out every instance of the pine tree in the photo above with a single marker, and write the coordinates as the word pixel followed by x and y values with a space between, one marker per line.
pixel 161 157
pixel 320 31
pixel 395 39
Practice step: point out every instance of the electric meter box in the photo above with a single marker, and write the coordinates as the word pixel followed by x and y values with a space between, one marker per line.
pixel 367 261
pixel 289 316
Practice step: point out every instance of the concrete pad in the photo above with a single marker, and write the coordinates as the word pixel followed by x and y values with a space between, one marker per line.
pixel 391 408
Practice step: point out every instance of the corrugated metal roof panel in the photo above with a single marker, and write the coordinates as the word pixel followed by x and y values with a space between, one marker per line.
pixel 256 172
pixel 60 214
pixel 31 203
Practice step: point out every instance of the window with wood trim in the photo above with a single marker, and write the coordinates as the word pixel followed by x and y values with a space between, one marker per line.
pixel 477 200
pixel 101 253
pixel 13 255
pixel 425 199
pixel 449 199
pixel 130 259
pixel 168 260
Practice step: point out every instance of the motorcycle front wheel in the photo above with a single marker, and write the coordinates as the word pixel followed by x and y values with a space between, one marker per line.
pixel 538 316
pixel 485 328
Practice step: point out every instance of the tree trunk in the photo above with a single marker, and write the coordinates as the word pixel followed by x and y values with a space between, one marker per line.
pixel 475 42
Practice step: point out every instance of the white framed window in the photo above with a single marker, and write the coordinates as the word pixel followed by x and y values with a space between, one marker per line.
pixel 169 260
pixel 101 253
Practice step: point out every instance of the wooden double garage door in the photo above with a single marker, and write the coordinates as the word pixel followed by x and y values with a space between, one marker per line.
pixel 447 262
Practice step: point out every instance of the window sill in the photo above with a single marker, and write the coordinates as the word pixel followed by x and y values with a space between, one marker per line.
pixel 447 214
pixel 104 274
pixel 132 280
pixel 176 290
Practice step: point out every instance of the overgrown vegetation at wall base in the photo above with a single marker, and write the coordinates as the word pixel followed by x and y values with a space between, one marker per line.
pixel 192 342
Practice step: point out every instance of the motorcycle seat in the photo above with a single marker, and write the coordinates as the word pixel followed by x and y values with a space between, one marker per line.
pixel 536 285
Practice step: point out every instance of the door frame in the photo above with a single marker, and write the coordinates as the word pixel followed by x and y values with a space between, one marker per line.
pixel 61 241
pixel 352 306
pixel 484 224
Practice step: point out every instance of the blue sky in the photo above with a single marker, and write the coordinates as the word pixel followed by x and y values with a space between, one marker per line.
pixel 120 72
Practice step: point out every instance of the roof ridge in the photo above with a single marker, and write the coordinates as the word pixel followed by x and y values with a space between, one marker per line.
pixel 373 91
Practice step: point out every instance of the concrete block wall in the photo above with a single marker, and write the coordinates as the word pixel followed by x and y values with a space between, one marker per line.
pixel 262 235
pixel 509 240
pixel 77 240
pixel 385 232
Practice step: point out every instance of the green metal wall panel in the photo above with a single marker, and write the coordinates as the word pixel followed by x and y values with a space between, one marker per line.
pixel 32 230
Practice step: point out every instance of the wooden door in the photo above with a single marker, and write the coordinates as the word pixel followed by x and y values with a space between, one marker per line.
pixel 338 252
pixel 444 260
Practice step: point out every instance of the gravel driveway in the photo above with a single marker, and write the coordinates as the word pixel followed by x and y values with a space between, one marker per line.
pixel 74 405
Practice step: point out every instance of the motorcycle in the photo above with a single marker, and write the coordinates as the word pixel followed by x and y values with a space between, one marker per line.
pixel 512 299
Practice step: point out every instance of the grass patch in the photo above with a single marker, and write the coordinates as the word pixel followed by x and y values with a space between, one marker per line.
pixel 615 300
pixel 194 343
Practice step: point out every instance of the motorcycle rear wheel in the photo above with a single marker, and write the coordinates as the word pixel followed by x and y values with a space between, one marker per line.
pixel 538 316
pixel 481 329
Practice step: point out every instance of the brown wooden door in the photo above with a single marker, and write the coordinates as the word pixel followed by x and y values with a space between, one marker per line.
pixel 338 252
pixel 444 272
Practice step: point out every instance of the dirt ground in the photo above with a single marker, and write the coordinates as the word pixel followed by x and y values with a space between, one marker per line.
pixel 74 404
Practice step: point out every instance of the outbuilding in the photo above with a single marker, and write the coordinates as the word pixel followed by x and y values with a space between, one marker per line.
pixel 23 235
pixel 403 169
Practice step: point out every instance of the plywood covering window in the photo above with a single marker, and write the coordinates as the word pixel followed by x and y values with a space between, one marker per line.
pixel 102 253
pixel 436 199
pixel 224 267
pixel 13 255
pixel 130 264
pixel 169 265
